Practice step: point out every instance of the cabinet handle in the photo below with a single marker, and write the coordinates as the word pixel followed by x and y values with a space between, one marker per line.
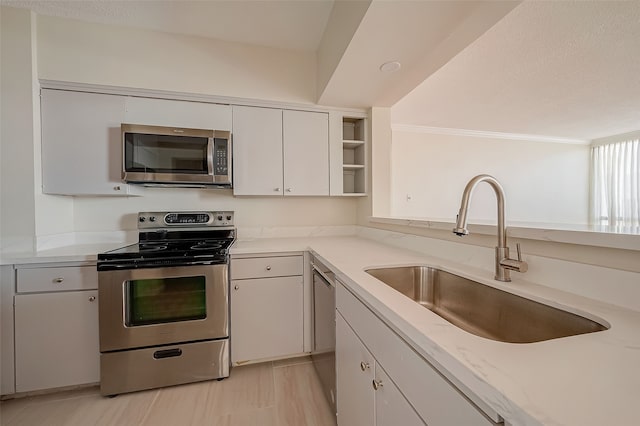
pixel 364 366
pixel 236 287
pixel 289 190
pixel 58 280
pixel 92 298
pixel 276 189
pixel 116 188
pixel 268 267
pixel 377 384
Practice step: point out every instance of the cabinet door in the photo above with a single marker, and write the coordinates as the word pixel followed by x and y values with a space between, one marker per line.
pixel 433 397
pixel 56 340
pixel 257 151
pixel 81 143
pixel 355 368
pixel 168 113
pixel 266 318
pixel 392 408
pixel 306 153
pixel 7 341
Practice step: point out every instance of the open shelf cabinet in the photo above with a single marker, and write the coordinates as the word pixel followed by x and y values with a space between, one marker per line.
pixel 353 156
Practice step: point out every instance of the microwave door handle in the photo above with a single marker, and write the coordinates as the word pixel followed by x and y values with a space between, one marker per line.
pixel 210 146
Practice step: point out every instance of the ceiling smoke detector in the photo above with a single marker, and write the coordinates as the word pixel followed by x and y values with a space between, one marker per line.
pixel 390 66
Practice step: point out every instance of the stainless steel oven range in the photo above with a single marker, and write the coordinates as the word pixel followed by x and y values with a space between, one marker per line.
pixel 164 303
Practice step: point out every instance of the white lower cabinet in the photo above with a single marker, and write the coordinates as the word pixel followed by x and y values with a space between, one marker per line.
pixel 267 319
pixel 56 340
pixel 381 380
pixel 392 409
pixel 366 394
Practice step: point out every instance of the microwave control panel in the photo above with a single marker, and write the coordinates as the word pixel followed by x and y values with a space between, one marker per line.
pixel 220 157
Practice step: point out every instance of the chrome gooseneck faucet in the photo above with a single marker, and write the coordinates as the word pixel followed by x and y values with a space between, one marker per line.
pixel 503 263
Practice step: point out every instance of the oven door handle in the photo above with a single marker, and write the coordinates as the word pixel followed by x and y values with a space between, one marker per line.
pixel 143 265
pixel 167 353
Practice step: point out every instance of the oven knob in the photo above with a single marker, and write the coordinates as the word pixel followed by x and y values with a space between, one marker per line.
pixel 220 217
pixel 152 219
pixel 228 217
pixel 141 219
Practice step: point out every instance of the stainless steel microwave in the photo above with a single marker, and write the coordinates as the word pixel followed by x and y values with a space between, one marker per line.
pixel 154 155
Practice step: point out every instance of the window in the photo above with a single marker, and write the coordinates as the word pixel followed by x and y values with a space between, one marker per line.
pixel 615 184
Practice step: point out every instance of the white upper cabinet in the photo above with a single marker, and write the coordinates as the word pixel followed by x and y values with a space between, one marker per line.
pixel 306 152
pixel 170 113
pixel 280 152
pixel 81 143
pixel 257 151
pixel 276 151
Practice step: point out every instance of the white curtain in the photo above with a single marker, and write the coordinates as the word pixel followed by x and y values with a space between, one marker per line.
pixel 615 184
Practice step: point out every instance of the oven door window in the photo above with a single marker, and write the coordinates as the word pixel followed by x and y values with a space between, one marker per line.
pixel 165 154
pixel 163 300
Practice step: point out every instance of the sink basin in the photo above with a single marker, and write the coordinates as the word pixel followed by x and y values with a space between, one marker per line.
pixel 483 310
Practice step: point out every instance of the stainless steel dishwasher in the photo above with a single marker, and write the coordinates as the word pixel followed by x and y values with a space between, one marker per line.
pixel 323 352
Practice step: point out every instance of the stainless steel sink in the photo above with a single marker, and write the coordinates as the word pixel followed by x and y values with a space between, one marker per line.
pixel 483 310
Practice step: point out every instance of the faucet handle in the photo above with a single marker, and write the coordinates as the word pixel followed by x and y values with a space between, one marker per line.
pixel 518 265
pixel 519 252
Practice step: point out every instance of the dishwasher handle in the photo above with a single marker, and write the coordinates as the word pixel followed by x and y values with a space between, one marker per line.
pixel 328 281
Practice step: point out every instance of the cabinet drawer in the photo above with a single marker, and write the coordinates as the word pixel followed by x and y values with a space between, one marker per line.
pixel 266 267
pixel 31 280
pixel 437 401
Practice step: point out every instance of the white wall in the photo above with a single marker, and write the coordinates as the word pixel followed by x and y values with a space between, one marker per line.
pixel 17 221
pixel 54 214
pixel 381 152
pixel 115 213
pixel 343 22
pixel 544 182
pixel 71 50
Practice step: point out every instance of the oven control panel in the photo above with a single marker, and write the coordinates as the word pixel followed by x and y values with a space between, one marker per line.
pixel 148 220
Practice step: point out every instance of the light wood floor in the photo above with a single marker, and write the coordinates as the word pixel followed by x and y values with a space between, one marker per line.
pixel 274 393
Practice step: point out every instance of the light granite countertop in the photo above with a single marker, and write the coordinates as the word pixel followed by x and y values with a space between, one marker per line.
pixel 591 379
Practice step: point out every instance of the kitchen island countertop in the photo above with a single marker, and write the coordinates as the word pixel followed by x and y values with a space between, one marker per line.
pixel 590 379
